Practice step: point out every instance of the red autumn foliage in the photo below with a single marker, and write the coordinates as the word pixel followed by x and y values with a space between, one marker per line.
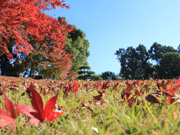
pixel 105 85
pixel 70 87
pixel 15 14
pixel 23 21
pixel 75 86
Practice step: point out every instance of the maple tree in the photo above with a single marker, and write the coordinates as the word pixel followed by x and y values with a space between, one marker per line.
pixel 35 33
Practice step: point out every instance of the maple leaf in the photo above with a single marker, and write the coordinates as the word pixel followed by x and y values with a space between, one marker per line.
pixel 167 93
pixel 178 82
pixel 170 99
pixel 75 86
pixel 126 93
pixel 131 101
pixel 152 99
pixel 9 116
pixel 171 90
pixel 99 97
pixel 85 105
pixel 105 85
pixel 40 114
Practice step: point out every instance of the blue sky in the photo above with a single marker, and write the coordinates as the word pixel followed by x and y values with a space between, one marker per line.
pixel 110 25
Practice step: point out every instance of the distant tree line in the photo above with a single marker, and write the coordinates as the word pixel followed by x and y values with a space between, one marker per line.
pixel 136 63
pixel 139 63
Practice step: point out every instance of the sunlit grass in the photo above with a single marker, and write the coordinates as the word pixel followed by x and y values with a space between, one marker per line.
pixel 112 117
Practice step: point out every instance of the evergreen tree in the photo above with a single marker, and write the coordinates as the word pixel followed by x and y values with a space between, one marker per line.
pixel 86 74
pixel 169 65
pixel 108 75
pixel 78 46
pixel 134 62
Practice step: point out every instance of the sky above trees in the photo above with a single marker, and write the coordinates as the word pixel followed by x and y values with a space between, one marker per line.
pixel 110 25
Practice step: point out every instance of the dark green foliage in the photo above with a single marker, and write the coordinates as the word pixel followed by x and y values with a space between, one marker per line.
pixel 178 48
pixel 134 62
pixel 78 46
pixel 138 63
pixel 5 66
pixel 157 50
pixel 108 75
pixel 11 67
pixel 170 65
pixel 96 78
pixel 86 74
pixel 85 67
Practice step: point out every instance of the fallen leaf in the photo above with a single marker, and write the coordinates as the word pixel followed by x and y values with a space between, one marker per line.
pixel 41 114
pixel 152 99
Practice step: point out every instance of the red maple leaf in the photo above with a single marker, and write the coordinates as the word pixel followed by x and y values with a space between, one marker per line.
pixel 75 87
pixel 106 85
pixel 170 99
pixel 152 99
pixel 9 116
pixel 99 97
pixel 178 82
pixel 171 90
pixel 40 114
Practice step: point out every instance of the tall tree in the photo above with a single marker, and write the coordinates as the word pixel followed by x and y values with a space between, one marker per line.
pixel 139 63
pixel 170 65
pixel 78 46
pixel 108 75
pixel 25 22
pixel 134 62
pixel 178 48
pixel 144 69
pixel 156 52
pixel 128 62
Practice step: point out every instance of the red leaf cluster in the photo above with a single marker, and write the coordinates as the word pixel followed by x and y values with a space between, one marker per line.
pixel 38 115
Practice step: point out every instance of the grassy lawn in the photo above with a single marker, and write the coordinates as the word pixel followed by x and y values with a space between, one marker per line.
pixel 106 107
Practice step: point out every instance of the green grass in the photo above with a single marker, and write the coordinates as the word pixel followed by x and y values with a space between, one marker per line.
pixel 113 117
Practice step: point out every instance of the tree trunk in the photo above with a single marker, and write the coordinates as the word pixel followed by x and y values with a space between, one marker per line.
pixel 32 70
pixel 4 65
